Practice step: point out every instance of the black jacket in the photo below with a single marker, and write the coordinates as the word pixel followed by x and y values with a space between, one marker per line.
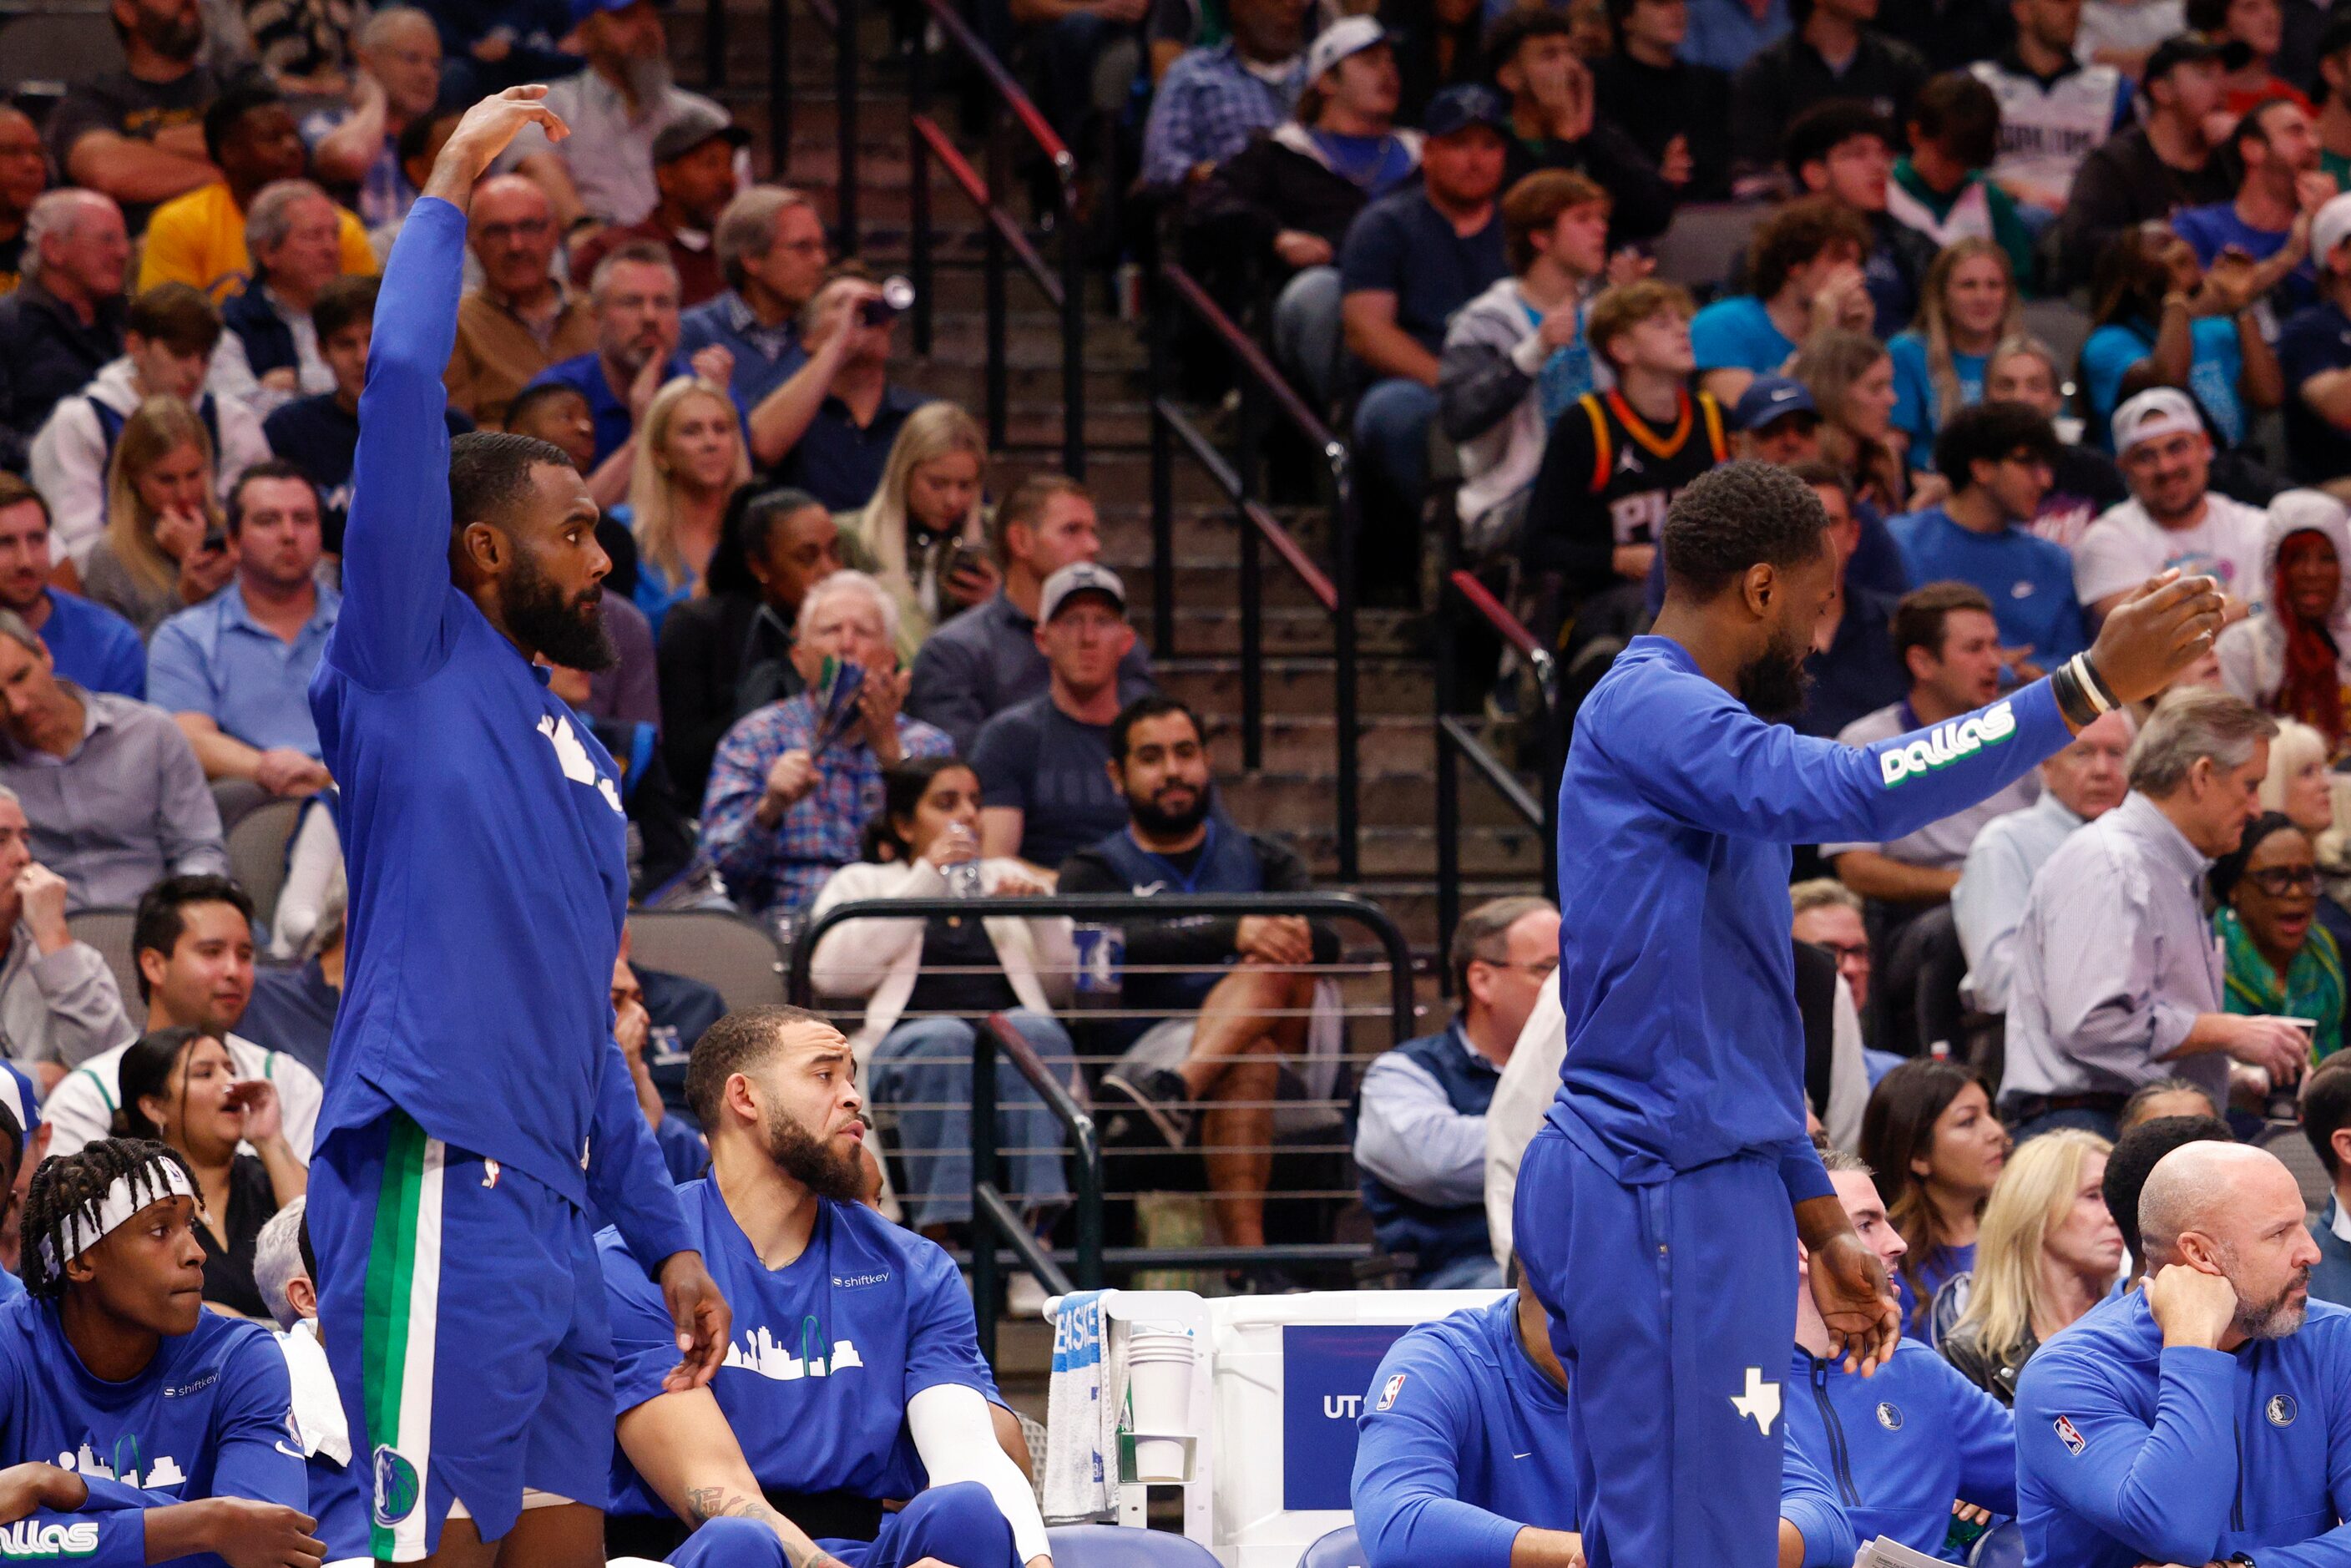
pixel 1643 202
pixel 719 658
pixel 1781 80
pixel 1277 183
pixel 1654 105
pixel 47 355
pixel 2122 184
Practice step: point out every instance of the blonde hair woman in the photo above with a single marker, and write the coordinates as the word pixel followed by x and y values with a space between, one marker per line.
pixel 690 461
pixel 923 535
pixel 1851 377
pixel 2047 1250
pixel 1967 305
pixel 166 545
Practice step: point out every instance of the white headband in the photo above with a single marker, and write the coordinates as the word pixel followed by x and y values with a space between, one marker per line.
pixel 158 1179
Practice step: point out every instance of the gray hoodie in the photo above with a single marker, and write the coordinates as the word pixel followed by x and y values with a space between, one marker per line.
pixel 1489 404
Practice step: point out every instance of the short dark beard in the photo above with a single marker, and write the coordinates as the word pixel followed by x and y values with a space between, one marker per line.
pixel 570 632
pixel 810 1161
pixel 1155 823
pixel 1774 685
pixel 172 38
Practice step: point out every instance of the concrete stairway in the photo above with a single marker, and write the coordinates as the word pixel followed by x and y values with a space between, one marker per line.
pixel 1291 794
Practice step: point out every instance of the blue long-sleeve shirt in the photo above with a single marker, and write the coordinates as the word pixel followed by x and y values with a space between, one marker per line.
pixel 1684 1046
pixel 482 822
pixel 1808 1500
pixel 1900 1445
pixel 2126 1451
pixel 1464 1442
pixel 210 1416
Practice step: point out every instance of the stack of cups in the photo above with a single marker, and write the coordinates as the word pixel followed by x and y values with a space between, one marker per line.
pixel 1159 1362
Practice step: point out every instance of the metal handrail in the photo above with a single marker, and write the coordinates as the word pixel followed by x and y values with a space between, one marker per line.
pixel 1261 383
pixel 1118 906
pixel 1455 741
pixel 840 16
pixel 1002 235
pixel 991 1211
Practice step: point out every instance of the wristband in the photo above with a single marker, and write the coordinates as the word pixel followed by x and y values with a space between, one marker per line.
pixel 2072 700
pixel 2100 694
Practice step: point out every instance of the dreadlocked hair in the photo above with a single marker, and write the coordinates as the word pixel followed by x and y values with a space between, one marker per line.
pixel 71 1186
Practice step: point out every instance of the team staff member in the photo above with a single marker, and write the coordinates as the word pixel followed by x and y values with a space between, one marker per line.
pixel 175 1422
pixel 855 1372
pixel 474 1095
pixel 2206 1416
pixel 1670 1160
pixel 1899 1446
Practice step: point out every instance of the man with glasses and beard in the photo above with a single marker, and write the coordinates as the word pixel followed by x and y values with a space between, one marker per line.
pixel 2206 1417
pixel 1231 996
pixel 854 1374
pixel 1675 1150
pixel 476 1097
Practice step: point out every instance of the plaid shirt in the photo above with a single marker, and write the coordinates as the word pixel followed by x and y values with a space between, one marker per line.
pixel 1208 107
pixel 781 868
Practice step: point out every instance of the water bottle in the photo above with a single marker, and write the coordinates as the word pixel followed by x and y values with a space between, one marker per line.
pixel 963 880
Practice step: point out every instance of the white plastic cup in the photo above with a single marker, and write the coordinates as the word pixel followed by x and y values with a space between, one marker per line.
pixel 1159 1461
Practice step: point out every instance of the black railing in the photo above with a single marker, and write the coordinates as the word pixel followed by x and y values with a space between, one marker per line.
pixel 1262 388
pixel 1457 741
pixel 841 18
pixel 1003 237
pixel 998 1235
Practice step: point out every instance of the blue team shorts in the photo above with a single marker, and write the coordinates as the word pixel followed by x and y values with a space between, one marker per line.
pixel 462 1311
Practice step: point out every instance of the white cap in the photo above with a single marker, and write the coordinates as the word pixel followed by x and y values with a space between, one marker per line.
pixel 2329 227
pixel 2158 411
pixel 1347 35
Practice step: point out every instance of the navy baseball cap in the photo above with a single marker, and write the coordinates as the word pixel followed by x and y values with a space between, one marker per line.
pixel 1460 108
pixel 1767 398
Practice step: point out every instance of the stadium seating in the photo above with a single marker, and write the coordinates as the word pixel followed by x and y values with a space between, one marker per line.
pixel 257 854
pixel 733 956
pixel 1339 1549
pixel 1115 1546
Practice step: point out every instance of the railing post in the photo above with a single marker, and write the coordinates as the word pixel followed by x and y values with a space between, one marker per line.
pixel 1162 457
pixel 983 1174
pixel 714 44
pixel 1249 464
pixel 779 91
pixel 1343 639
pixel 844 87
pixel 998 173
pixel 1448 766
pixel 1074 329
pixel 918 188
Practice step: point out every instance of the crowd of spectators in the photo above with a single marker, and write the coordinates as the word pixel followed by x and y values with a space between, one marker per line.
pixel 854 663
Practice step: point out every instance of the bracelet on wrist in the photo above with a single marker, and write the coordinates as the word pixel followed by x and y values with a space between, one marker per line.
pixel 2096 684
pixel 2065 685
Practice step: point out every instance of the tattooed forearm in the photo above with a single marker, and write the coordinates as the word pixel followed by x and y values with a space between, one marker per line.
pixel 703 1504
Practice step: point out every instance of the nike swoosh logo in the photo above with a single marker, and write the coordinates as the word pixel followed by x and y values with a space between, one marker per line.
pixel 298 1454
pixel 1522 1456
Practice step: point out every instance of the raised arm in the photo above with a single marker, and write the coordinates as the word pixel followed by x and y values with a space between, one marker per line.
pixel 396 542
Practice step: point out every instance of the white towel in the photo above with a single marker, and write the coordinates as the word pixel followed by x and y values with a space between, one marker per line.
pixel 318 1410
pixel 1081 1415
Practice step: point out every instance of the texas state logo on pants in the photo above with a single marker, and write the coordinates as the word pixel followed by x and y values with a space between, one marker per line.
pixel 397 1489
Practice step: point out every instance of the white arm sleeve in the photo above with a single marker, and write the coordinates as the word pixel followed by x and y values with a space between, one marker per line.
pixel 957 1438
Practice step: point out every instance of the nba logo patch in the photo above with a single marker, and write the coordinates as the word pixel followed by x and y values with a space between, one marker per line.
pixel 1388 1394
pixel 2280 1410
pixel 489 1173
pixel 2070 1436
pixel 397 1492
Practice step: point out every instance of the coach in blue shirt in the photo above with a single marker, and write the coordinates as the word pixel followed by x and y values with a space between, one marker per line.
pixel 236 670
pixel 2206 1416
pixel 2000 458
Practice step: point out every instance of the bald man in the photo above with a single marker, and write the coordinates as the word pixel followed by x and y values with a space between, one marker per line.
pixel 2207 1417
pixel 521 320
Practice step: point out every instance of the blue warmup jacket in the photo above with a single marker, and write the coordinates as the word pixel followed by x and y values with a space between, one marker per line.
pixel 2127 1452
pixel 1463 1443
pixel 1675 813
pixel 482 822
pixel 1900 1445
pixel 1808 1500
